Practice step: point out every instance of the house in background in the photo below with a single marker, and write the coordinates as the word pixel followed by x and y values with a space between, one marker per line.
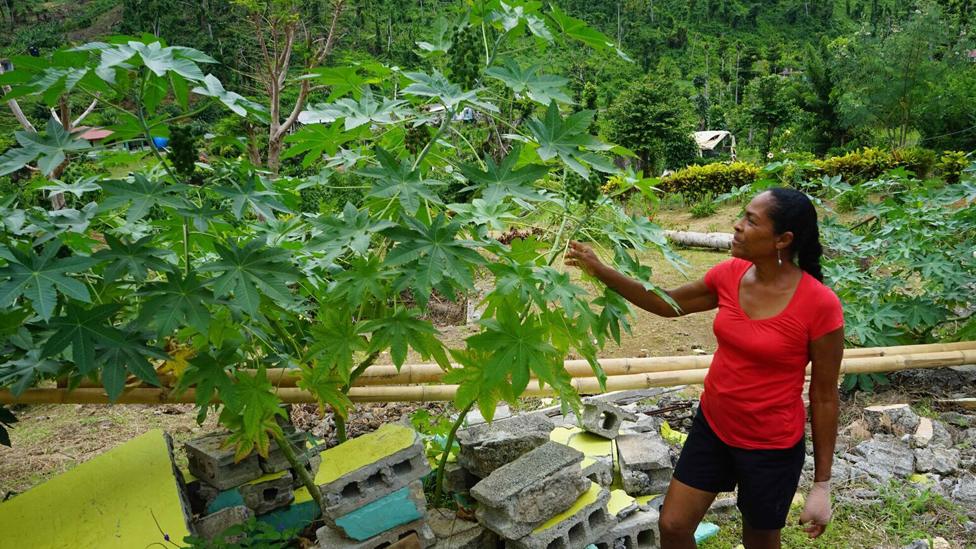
pixel 715 143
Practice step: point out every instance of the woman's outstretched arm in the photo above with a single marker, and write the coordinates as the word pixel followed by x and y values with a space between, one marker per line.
pixel 691 298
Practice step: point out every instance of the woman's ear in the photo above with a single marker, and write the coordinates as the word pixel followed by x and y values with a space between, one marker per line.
pixel 784 240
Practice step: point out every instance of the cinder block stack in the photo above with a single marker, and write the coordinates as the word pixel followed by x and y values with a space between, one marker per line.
pixel 226 493
pixel 373 491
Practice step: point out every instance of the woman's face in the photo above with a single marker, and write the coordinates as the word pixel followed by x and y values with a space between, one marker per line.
pixel 754 236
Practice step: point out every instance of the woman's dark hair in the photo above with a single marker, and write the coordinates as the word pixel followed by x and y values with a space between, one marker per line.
pixel 793 211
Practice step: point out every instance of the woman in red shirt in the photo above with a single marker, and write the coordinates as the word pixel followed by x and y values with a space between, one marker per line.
pixel 774 316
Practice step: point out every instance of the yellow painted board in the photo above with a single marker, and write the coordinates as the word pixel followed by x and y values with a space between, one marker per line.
pixel 108 502
pixel 361 451
pixel 619 500
pixel 588 443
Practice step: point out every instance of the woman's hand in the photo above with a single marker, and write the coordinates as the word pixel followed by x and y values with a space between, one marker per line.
pixel 582 256
pixel 816 511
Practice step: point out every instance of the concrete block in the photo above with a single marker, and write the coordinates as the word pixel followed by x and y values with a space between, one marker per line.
pixel 457 479
pixel 519 496
pixel 400 507
pixel 488 446
pixel 645 464
pixel 453 532
pixel 637 531
pixel 276 460
pixel 585 522
pixel 331 539
pixel 214 524
pixel 598 470
pixel 264 496
pixel 604 419
pixel 210 462
pixel 369 467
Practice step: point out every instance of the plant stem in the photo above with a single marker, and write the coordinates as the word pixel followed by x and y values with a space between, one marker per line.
pixel 299 469
pixel 439 480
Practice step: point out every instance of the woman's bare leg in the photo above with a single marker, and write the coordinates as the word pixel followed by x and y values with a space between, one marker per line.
pixel 684 507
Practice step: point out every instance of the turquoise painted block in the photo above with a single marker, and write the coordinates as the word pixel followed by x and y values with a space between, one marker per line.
pixel 225 499
pixel 400 507
pixel 296 516
pixel 704 531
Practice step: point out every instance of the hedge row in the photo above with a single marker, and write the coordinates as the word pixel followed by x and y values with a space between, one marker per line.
pixel 855 167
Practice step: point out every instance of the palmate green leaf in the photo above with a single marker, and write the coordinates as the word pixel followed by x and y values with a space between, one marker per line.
pixel 356 113
pixel 133 258
pixel 336 341
pixel 141 194
pixel 541 88
pixel 236 102
pixel 438 87
pixel 404 329
pixel 430 257
pixel 250 270
pixel 180 301
pixel 495 216
pixel 323 382
pixel 211 376
pixel 353 231
pixel 84 330
pixel 613 315
pixel 78 188
pixel 252 417
pixel 23 373
pixel 476 383
pixel 342 80
pixel 577 29
pixel 365 280
pixel 253 194
pixel 40 278
pixel 440 42
pixel 398 182
pixel 314 140
pixel 50 149
pixel 502 181
pixel 128 356
pixel 566 138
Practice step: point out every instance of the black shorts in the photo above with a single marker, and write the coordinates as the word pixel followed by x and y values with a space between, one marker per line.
pixel 767 479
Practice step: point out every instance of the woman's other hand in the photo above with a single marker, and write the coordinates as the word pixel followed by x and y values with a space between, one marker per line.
pixel 582 256
pixel 816 512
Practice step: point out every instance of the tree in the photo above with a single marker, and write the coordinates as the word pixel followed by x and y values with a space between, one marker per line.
pixel 768 106
pixel 886 80
pixel 277 26
pixel 649 117
pixel 818 97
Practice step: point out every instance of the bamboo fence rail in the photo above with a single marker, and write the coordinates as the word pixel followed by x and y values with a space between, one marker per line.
pixel 411 374
pixel 884 361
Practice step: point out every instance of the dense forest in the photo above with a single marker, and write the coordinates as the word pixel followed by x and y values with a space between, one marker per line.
pixel 785 77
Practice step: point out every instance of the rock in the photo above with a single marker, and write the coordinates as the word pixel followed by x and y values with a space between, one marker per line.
pixel 453 532
pixel 645 464
pixel 941 437
pixel 923 435
pixel 936 460
pixel 858 431
pixel 882 458
pixel 893 419
pixel 959 420
pixel 488 446
pixel 965 491
pixel 966 437
pixel 518 496
pixel 936 543
pixel 604 419
pixel 212 525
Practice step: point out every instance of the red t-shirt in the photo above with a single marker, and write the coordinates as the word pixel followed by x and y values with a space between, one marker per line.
pixel 753 390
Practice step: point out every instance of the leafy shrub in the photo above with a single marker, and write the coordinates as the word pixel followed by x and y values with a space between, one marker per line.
pixel 849 201
pixel 951 165
pixel 917 159
pixel 704 207
pixel 858 166
pixel 695 181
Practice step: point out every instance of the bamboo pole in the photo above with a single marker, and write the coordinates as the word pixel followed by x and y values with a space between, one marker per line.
pixel 411 374
pixel 430 393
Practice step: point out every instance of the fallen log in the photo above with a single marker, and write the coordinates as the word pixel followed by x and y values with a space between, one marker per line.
pixel 429 393
pixel 715 241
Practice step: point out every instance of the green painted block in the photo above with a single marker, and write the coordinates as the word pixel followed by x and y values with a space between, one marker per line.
pixel 400 507
pixel 296 516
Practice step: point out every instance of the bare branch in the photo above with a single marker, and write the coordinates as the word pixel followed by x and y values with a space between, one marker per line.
pixel 85 113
